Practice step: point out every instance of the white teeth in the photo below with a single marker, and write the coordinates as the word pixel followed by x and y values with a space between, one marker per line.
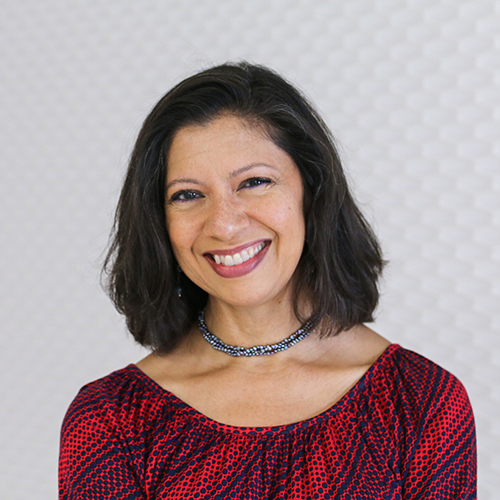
pixel 238 258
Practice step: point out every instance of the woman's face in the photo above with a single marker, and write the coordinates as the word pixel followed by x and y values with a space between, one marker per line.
pixel 234 211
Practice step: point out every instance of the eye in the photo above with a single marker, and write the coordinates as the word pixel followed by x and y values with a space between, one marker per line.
pixel 185 195
pixel 254 182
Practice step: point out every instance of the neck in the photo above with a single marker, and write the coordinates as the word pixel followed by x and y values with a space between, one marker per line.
pixel 251 326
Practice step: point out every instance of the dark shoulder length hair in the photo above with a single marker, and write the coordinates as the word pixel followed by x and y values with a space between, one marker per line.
pixel 341 261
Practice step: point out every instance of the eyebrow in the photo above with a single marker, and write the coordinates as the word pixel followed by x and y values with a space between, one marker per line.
pixel 232 175
pixel 181 181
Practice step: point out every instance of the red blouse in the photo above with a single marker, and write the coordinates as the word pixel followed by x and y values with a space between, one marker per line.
pixel 404 431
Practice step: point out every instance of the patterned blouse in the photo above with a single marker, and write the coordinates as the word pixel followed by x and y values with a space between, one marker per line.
pixel 404 431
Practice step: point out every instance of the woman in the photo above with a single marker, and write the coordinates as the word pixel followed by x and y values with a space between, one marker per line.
pixel 242 261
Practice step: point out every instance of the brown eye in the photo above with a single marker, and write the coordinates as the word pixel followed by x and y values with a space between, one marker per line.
pixel 185 195
pixel 254 182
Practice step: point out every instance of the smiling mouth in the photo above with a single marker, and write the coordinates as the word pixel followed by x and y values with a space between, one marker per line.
pixel 238 258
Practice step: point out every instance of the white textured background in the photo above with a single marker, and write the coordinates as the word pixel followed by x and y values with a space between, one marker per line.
pixel 411 90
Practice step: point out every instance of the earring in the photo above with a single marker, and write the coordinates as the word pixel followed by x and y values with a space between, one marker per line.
pixel 179 287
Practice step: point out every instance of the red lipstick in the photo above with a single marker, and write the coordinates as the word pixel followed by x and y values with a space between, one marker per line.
pixel 237 270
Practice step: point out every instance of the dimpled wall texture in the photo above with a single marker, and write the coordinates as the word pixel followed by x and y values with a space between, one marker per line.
pixel 410 89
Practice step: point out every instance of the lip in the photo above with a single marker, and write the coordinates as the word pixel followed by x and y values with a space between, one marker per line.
pixel 239 269
pixel 239 249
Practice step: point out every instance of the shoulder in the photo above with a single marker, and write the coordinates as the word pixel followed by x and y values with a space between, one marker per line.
pixel 105 435
pixel 419 394
pixel 113 389
pixel 125 397
pixel 418 378
pixel 434 423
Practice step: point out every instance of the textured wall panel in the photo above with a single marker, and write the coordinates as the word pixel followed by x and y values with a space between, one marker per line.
pixel 411 90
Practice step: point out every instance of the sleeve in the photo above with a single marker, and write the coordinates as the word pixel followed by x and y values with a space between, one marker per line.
pixel 94 460
pixel 441 465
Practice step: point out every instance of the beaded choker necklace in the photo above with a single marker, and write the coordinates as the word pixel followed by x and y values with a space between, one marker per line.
pixel 258 350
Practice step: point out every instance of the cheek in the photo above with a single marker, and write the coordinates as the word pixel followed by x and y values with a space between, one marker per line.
pixel 184 232
pixel 297 226
pixel 178 237
pixel 288 220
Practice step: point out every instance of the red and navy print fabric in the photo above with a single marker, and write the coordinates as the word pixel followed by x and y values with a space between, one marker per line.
pixel 404 431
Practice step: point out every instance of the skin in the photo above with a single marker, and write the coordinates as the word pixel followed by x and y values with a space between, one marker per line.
pixel 229 186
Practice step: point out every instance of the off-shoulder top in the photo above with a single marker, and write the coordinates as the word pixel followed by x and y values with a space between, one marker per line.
pixel 404 431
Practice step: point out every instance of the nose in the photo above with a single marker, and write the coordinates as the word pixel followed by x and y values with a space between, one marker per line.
pixel 225 218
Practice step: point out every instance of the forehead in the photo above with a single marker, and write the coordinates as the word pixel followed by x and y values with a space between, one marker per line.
pixel 225 142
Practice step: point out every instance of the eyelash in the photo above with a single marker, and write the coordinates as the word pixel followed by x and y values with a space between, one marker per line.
pixel 256 181
pixel 190 194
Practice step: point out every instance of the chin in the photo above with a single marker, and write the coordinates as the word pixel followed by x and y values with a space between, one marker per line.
pixel 245 299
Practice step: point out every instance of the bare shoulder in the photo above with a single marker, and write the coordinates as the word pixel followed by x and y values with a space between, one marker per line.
pixel 149 365
pixel 367 344
pixel 168 368
pixel 159 366
pixel 357 348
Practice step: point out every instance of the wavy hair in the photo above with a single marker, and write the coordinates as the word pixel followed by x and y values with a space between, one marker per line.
pixel 341 260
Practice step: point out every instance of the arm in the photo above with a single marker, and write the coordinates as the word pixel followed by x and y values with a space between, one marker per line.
pixel 95 461
pixel 442 463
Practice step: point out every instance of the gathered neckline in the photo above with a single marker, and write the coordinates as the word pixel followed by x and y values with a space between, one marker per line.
pixel 354 391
